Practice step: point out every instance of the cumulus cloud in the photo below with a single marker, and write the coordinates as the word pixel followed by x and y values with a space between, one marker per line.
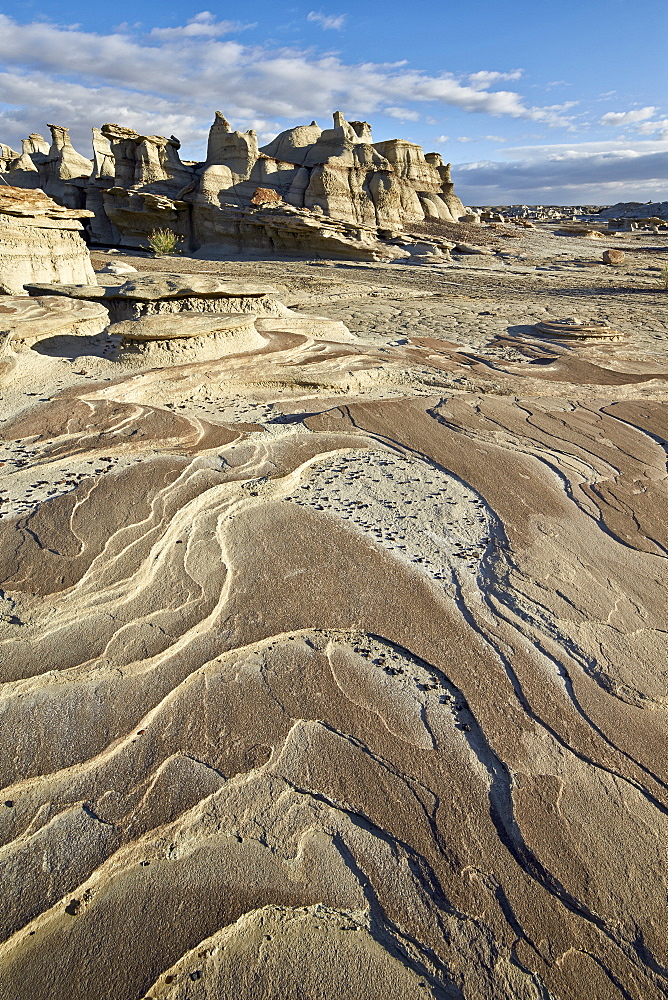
pixel 484 138
pixel 330 22
pixel 171 79
pixel 619 118
pixel 660 126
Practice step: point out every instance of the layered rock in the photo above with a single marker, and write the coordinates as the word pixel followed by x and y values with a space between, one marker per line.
pixel 26 320
pixel 40 241
pixel 169 339
pixel 137 183
pixel 58 169
pixel 157 294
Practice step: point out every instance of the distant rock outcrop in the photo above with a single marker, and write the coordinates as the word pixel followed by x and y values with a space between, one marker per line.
pixel 328 192
pixel 637 211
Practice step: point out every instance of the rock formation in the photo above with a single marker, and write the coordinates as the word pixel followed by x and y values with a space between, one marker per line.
pixel 40 241
pixel 330 192
pixel 167 340
pixel 160 293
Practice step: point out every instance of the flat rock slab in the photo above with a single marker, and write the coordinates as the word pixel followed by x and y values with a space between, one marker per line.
pixel 34 203
pixel 154 294
pixel 178 326
pixel 155 287
pixel 28 319
pixel 592 330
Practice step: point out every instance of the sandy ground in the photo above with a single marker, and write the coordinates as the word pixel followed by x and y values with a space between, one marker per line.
pixel 338 667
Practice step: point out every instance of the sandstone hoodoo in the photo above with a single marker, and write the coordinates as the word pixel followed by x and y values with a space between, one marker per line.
pixel 332 191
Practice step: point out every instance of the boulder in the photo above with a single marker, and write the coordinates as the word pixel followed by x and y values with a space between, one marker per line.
pixel 613 256
pixel 119 268
pixel 472 249
pixel 266 196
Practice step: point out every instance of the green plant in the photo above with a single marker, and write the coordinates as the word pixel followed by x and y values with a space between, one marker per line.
pixel 163 241
pixel 663 277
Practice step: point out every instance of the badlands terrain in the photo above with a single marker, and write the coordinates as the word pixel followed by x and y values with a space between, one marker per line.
pixel 335 666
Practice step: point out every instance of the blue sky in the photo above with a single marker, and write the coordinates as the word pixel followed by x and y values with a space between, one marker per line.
pixel 555 103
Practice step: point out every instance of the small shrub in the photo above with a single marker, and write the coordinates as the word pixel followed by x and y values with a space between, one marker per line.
pixel 663 277
pixel 163 241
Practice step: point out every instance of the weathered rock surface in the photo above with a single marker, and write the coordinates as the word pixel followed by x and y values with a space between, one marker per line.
pixel 27 320
pixel 338 669
pixel 579 330
pixel 153 294
pixel 40 241
pixel 343 190
pixel 613 256
pixel 185 337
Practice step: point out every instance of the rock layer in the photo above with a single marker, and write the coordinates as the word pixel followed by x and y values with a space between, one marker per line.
pixel 40 241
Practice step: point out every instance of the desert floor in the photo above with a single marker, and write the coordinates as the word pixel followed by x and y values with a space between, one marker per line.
pixel 338 668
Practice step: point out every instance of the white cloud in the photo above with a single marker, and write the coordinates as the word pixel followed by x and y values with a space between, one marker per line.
pixel 660 126
pixel 484 138
pixel 329 22
pixel 202 25
pixel 580 149
pixel 485 78
pixel 145 77
pixel 442 138
pixel 403 114
pixel 618 118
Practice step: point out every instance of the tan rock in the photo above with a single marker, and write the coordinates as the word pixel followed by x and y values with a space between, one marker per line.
pixel 471 248
pixel 154 294
pixel 266 196
pixel 40 241
pixel 28 319
pixel 577 329
pixel 184 337
pixel 138 183
pixel 613 256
